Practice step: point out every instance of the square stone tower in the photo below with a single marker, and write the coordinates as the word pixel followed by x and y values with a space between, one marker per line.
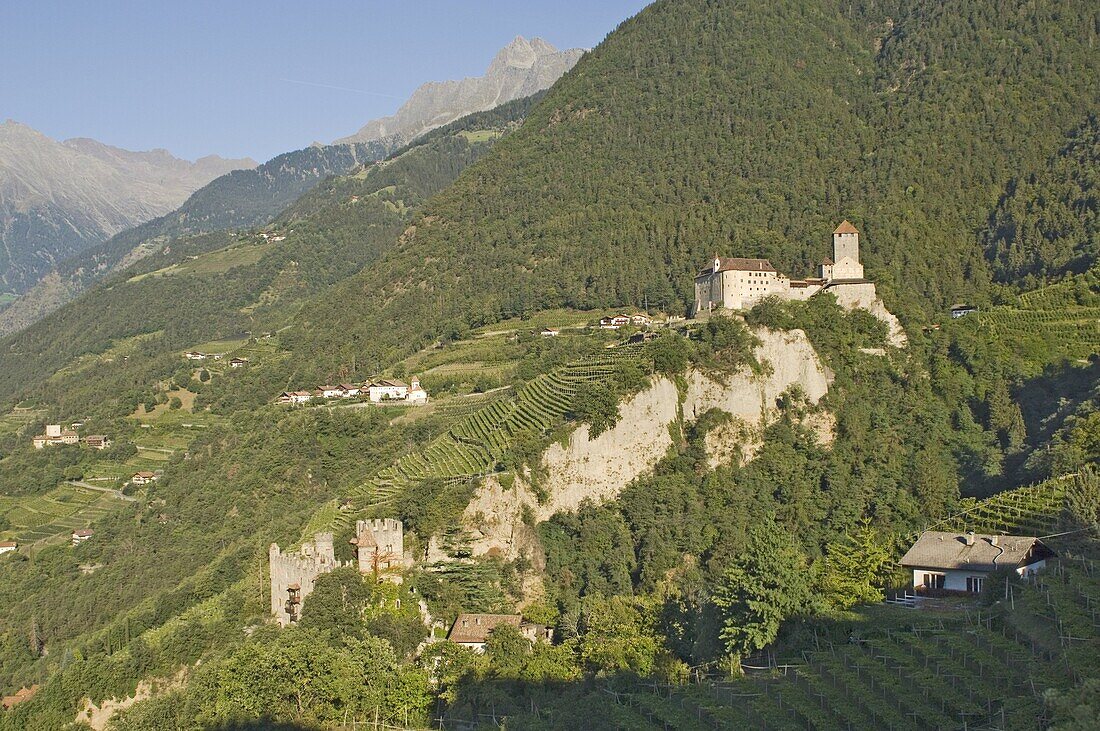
pixel 379 546
pixel 846 252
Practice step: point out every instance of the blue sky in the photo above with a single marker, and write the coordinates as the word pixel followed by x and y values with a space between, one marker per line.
pixel 250 77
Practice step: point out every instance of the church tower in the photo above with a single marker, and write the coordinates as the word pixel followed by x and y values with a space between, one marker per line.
pixel 846 252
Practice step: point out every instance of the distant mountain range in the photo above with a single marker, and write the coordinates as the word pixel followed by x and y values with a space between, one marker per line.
pixel 238 199
pixel 519 69
pixel 60 198
pixel 70 254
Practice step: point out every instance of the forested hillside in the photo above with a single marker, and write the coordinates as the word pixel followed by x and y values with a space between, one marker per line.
pixel 961 140
pixel 329 235
pixel 748 130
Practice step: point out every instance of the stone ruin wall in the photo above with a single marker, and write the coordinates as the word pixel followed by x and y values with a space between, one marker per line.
pixel 300 568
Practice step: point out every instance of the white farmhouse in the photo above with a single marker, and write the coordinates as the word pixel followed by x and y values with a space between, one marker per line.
pixel 387 390
pixel 8 546
pixel 294 397
pixel 961 562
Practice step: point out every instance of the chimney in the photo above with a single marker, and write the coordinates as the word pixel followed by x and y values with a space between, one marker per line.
pixel 970 538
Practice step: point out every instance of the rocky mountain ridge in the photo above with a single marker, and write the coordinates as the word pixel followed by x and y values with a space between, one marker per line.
pixel 59 198
pixel 520 69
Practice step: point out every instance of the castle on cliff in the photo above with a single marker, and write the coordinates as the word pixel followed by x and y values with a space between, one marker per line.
pixel 380 551
pixel 738 284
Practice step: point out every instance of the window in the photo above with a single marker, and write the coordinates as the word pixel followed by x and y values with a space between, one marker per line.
pixel 974 584
pixel 933 581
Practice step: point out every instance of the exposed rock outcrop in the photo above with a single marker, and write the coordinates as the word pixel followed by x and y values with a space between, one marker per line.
pixel 598 468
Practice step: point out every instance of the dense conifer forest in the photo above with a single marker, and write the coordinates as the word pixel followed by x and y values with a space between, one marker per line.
pixel 961 138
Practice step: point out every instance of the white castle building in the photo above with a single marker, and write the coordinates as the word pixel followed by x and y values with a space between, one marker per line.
pixel 738 284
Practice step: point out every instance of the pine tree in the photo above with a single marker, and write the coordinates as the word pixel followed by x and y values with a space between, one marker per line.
pixel 854 567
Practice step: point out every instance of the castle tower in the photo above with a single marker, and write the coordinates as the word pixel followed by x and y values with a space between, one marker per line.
pixel 846 252
pixel 380 547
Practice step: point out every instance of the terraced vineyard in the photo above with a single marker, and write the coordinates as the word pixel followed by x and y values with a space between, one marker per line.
pixel 58 512
pixel 17 420
pixel 477 444
pixel 1063 318
pixel 1029 511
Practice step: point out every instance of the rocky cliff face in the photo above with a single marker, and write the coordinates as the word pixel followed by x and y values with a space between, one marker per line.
pixel 520 69
pixel 58 198
pixel 599 468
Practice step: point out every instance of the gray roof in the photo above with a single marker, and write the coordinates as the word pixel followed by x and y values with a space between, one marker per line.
pixel 939 550
pixel 475 628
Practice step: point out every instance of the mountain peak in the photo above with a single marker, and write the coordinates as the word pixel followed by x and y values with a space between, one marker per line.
pixel 521 54
pixel 519 69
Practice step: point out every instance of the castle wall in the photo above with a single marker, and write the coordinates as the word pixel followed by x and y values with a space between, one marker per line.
pixel 302 568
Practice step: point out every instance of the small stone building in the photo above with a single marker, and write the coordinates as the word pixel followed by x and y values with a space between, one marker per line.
pixel 472 630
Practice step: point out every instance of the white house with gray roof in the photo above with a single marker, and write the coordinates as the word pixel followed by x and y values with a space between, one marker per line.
pixel 961 562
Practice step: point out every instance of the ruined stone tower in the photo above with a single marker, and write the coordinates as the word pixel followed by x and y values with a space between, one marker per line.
pixel 293 574
pixel 379 546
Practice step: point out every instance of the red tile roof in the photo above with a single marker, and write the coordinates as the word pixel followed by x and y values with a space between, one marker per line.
pixel 846 227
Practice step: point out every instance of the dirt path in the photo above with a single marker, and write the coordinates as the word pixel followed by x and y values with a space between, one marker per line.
pixel 97 488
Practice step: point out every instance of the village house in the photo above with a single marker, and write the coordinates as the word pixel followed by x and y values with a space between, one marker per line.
pixel 194 355
pixel 614 322
pixel 8 546
pixel 387 389
pixel 349 390
pixel 143 478
pixel 549 332
pixel 472 630
pixel 331 391
pixel 55 435
pixel 739 284
pixel 961 562
pixel 295 397
pixel 238 363
pixel 81 535
pixel 960 310
pixel 97 441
